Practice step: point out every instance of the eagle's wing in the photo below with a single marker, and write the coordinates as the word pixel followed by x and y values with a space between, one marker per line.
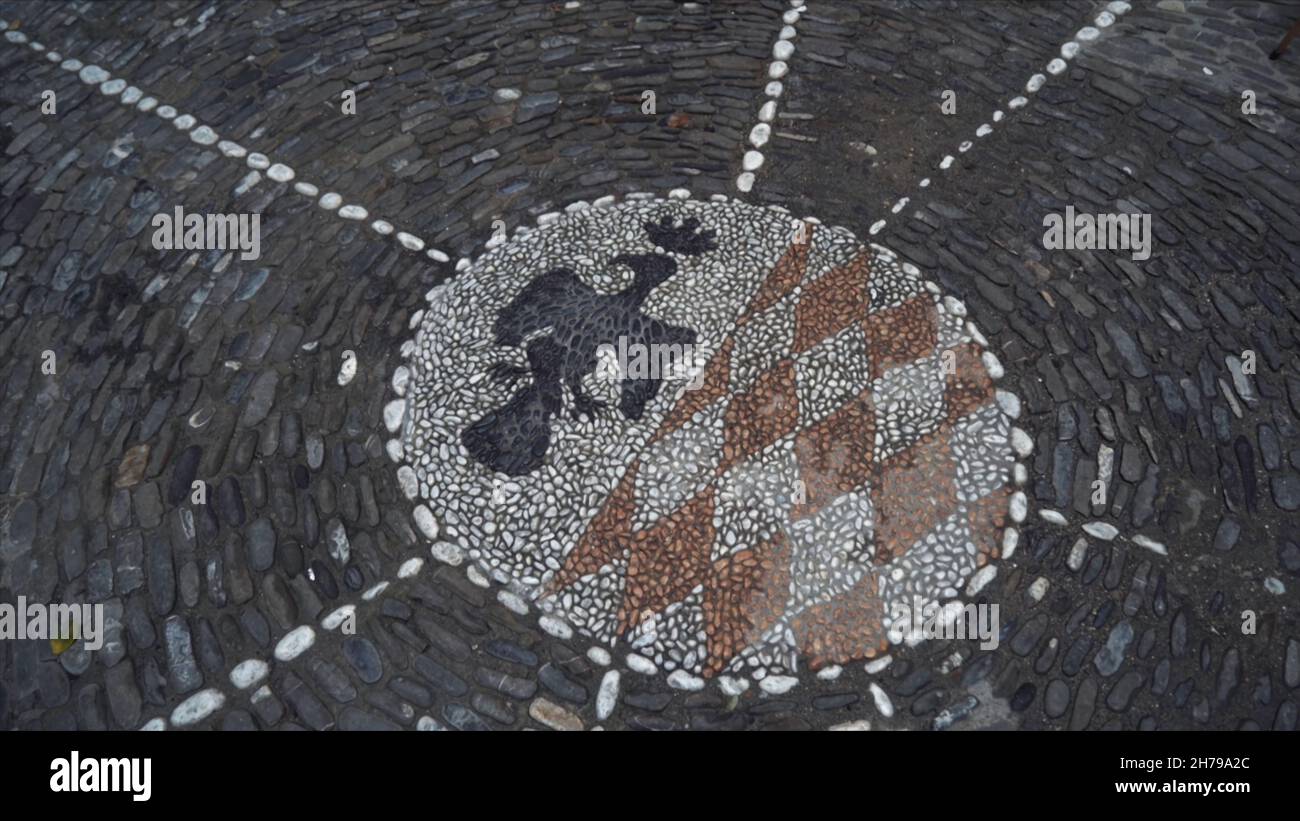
pixel 544 302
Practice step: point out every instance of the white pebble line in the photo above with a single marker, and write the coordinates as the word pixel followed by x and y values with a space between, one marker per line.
pixel 1055 66
pixel 395 419
pixel 252 672
pixel 782 50
pixel 206 136
pixel 1105 532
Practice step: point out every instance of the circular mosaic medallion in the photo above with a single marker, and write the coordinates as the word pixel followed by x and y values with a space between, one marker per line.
pixel 715 436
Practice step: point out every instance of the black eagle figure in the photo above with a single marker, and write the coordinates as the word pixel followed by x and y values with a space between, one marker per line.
pixel 514 438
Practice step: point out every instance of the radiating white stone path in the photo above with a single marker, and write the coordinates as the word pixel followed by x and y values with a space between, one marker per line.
pixel 205 136
pixel 1055 66
pixel 782 50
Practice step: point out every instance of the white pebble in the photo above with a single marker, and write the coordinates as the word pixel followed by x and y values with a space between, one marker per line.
pixel 1019 507
pixel 410 242
pixel 280 172
pixel 93 75
pixel 1052 516
pixel 1009 402
pixel 682 680
pixel 425 522
pixel 981 578
pixel 1039 588
pixel 555 627
pixel 883 704
pixel 247 673
pixel 640 664
pixel 347 370
pixel 732 686
pixel 1150 544
pixel 335 618
pixel 447 553
pixel 1101 530
pixel 861 726
pixel 777 685
pixel 294 643
pixel 1010 539
pixel 197 707
pixel 394 411
pixel 512 602
pixel 607 696
pixel 876 665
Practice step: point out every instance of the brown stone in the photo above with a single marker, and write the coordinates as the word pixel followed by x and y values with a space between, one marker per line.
pixel 917 489
pixel 131 470
pixel 901 334
pixel 835 454
pixel 761 415
pixel 785 275
pixel 668 560
pixel 969 385
pixel 832 301
pixel 553 715
pixel 847 628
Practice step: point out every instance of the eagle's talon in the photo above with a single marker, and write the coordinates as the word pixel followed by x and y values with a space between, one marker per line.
pixel 588 407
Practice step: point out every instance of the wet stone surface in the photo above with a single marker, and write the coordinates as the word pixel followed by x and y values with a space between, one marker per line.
pixel 313 583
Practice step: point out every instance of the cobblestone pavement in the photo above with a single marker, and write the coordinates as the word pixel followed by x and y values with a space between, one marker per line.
pixel 317 586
